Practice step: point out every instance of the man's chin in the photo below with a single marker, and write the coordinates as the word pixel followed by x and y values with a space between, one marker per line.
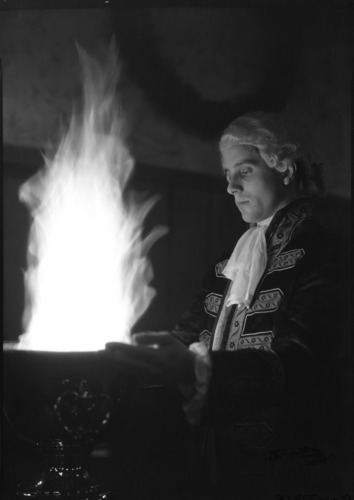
pixel 247 218
pixel 248 221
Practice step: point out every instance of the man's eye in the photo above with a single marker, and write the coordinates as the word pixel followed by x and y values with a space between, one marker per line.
pixel 246 171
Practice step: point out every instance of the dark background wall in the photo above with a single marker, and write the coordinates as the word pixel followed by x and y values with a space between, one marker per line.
pixel 186 72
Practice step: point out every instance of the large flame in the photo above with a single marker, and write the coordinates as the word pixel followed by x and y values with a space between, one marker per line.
pixel 88 276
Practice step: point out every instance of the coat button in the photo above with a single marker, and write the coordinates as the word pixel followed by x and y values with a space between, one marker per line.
pixel 280 235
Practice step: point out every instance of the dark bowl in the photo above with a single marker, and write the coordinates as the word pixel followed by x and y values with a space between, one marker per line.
pixel 59 394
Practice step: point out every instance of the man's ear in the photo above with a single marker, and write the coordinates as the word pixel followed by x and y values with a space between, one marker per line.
pixel 289 173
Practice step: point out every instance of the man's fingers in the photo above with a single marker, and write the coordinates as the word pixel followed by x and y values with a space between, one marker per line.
pixel 141 360
pixel 142 354
pixel 132 366
pixel 153 338
pixel 111 346
pixel 150 339
pixel 131 351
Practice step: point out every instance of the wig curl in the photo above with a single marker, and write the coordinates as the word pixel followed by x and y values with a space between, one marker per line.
pixel 268 134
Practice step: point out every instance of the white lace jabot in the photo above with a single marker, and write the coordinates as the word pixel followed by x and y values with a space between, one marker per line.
pixel 247 264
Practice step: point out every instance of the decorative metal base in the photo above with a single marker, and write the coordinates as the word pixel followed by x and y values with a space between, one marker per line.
pixel 66 476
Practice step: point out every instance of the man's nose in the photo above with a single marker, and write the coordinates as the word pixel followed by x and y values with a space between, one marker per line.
pixel 233 186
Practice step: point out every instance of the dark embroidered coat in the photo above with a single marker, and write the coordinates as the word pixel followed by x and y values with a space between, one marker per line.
pixel 277 351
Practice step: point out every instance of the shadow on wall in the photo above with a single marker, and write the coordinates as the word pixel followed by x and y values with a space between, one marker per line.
pixel 203 224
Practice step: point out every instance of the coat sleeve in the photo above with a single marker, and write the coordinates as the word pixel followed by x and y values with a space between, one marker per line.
pixel 191 324
pixel 308 327
pixel 194 320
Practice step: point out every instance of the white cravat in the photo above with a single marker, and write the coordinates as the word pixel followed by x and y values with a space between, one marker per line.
pixel 247 264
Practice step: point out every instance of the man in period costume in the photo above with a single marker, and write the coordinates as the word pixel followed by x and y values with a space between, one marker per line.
pixel 251 355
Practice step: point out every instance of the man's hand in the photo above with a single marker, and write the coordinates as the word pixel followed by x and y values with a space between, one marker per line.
pixel 156 357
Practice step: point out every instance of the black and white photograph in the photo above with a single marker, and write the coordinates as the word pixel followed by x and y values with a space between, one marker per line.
pixel 176 212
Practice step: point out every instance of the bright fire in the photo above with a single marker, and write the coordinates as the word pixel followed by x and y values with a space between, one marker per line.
pixel 88 276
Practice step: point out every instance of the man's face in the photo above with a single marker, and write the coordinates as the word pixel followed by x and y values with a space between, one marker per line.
pixel 258 190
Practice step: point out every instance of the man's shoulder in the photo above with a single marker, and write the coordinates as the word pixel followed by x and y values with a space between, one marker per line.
pixel 215 281
pixel 313 235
